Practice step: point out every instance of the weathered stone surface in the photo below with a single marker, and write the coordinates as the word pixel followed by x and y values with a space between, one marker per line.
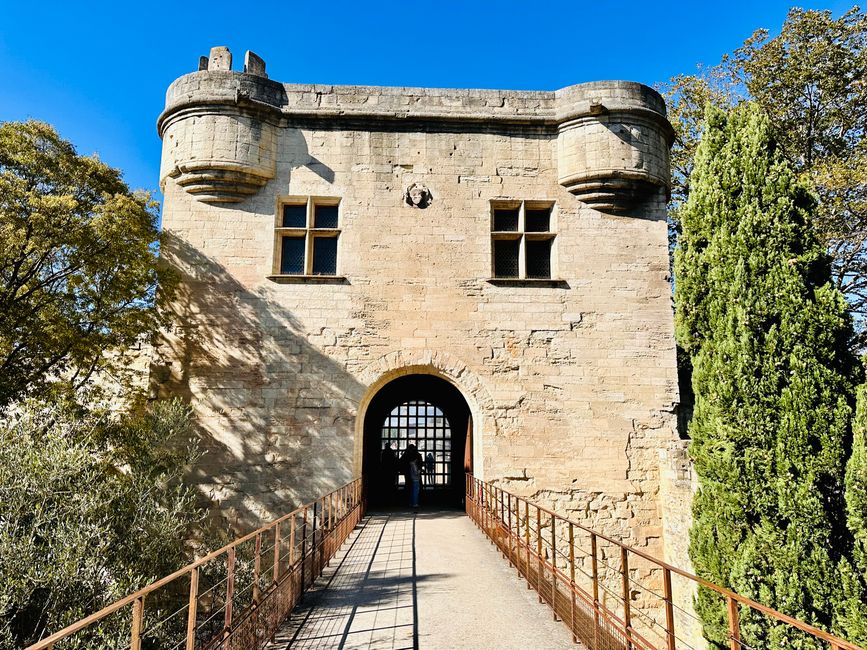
pixel 572 384
pixel 220 59
pixel 612 137
pixel 254 64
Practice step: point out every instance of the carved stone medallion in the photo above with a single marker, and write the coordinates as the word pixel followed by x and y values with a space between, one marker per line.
pixel 418 196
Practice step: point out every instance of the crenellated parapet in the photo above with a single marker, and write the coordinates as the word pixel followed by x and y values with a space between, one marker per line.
pixel 220 128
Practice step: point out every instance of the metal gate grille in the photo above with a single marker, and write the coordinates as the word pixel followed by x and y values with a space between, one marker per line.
pixel 424 425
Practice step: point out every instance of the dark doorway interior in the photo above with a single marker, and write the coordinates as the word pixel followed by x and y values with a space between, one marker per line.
pixel 430 413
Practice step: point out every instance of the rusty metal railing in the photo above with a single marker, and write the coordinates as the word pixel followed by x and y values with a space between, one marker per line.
pixel 237 596
pixel 611 596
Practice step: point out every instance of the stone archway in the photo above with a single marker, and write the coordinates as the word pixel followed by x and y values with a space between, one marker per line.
pixel 400 363
pixel 430 414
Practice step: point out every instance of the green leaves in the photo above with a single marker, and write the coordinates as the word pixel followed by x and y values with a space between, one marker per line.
pixel 773 374
pixel 78 264
pixel 91 509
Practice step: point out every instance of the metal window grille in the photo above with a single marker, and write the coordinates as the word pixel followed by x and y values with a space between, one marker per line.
pixel 292 255
pixel 522 236
pixel 325 256
pixel 538 258
pixel 506 253
pixel 306 235
pixel 537 219
pixel 506 219
pixel 325 216
pixel 295 216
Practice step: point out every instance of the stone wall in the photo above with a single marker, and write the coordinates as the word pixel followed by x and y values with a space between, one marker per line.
pixel 572 382
pixel 678 484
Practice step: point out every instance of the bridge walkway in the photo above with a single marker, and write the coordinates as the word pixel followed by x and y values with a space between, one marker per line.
pixel 427 580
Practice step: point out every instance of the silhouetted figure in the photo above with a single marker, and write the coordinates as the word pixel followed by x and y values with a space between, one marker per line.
pixel 388 471
pixel 411 464
pixel 429 468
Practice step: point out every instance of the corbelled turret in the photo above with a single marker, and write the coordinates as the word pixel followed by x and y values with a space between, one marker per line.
pixel 220 128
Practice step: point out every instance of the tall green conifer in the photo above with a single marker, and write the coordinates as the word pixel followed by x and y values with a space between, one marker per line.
pixel 769 340
pixel 853 617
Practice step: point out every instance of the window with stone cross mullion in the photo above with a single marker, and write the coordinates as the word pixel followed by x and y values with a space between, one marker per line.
pixel 522 248
pixel 297 226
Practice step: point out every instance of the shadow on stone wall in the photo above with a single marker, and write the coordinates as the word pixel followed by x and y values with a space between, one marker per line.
pixel 276 415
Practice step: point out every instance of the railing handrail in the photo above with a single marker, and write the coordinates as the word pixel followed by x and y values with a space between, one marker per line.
pixel 836 642
pixel 743 600
pixel 48 642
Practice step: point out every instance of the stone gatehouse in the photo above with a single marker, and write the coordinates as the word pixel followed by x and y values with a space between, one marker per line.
pixel 484 272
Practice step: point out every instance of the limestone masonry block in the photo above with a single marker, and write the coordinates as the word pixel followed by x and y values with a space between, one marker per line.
pixel 220 59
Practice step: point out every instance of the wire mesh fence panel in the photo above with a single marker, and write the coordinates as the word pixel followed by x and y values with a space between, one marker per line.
pixel 235 597
pixel 615 597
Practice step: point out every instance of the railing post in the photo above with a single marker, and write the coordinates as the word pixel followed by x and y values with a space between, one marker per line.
pixel 230 596
pixel 627 615
pixel 554 566
pixel 339 514
pixel 329 537
pixel 527 539
pixel 257 568
pixel 509 524
pixel 276 552
pixel 734 624
pixel 502 508
pixel 314 568
pixel 572 581
pixel 669 609
pixel 292 541
pixel 137 619
pixel 502 522
pixel 492 509
pixel 303 549
pixel 488 513
pixel 193 609
pixel 594 569
pixel 539 553
pixel 485 492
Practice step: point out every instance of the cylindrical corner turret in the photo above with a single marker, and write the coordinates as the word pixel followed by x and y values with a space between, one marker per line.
pixel 613 143
pixel 219 129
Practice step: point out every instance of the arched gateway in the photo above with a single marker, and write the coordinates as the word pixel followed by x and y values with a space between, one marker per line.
pixel 432 414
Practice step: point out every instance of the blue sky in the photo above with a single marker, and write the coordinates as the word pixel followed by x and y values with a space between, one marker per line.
pixel 98 71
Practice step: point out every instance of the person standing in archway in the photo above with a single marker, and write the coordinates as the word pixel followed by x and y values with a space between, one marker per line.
pixel 411 462
pixel 388 472
pixel 429 464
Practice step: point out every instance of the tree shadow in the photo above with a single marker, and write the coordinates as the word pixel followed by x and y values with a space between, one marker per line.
pixel 274 414
pixel 370 596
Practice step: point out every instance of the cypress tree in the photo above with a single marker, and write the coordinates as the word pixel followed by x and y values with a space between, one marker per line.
pixel 774 377
pixel 853 613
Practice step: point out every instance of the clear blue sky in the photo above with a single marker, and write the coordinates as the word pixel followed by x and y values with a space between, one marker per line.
pixel 98 71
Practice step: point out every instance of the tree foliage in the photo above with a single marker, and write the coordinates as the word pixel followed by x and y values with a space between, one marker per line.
pixel 856 482
pixel 91 508
pixel 810 81
pixel 78 263
pixel 770 338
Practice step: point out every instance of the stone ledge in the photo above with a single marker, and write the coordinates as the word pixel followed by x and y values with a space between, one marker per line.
pixel 529 282
pixel 308 279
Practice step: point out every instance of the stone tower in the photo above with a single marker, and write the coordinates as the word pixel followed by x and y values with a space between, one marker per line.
pixel 484 272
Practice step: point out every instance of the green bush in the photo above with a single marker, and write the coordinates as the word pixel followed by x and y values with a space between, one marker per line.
pixel 91 508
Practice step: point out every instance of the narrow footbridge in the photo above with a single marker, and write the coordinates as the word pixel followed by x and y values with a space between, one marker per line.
pixel 331 575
